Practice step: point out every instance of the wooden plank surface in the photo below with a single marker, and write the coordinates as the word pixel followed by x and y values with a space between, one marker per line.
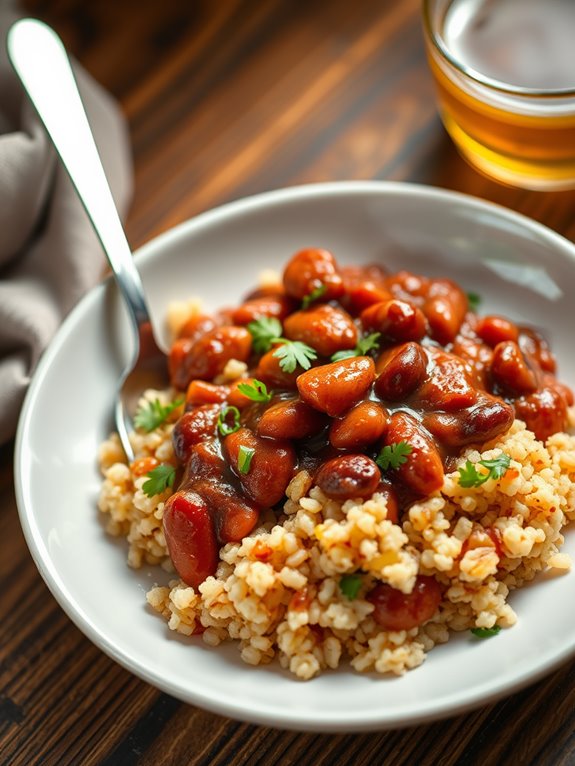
pixel 227 98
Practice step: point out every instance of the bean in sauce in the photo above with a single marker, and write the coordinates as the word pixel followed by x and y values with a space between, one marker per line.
pixel 439 377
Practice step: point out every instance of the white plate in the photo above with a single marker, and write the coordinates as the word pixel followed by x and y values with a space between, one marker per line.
pixel 518 266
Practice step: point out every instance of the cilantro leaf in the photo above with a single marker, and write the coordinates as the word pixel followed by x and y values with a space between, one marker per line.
pixel 264 331
pixel 393 455
pixel 153 414
pixel 350 585
pixel 226 428
pixel 316 293
pixel 245 455
pixel 469 476
pixel 294 352
pixel 341 355
pixel 255 390
pixel 473 301
pixel 159 479
pixel 486 632
pixel 364 346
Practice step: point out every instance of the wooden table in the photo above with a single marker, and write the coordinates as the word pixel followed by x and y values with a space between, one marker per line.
pixel 227 98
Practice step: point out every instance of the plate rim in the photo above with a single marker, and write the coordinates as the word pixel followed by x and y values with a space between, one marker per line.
pixel 334 721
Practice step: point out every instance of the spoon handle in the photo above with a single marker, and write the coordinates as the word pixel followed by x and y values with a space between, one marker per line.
pixel 40 61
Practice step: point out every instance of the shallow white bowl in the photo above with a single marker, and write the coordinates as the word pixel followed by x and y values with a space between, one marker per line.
pixel 519 267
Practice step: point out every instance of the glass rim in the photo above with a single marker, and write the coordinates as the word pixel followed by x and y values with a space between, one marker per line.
pixel 481 79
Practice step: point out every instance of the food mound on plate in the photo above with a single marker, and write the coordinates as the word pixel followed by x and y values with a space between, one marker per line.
pixel 351 463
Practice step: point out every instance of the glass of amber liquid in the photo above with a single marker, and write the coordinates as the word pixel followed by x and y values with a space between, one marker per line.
pixel 505 75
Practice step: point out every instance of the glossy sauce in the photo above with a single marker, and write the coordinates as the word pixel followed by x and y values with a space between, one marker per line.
pixel 439 378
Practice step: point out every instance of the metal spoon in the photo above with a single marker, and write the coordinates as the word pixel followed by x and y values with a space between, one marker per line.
pixel 40 61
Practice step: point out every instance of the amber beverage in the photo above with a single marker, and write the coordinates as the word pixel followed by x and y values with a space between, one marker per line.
pixel 505 75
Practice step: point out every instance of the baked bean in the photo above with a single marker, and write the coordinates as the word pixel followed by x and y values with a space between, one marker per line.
pixel 552 382
pixel 348 476
pixel 396 320
pixel 270 306
pixel 364 286
pixel 478 354
pixel 196 326
pixel 310 269
pixel 271 468
pixel 271 289
pixel 362 425
pixel 193 427
pixel 334 388
pixel 396 611
pixel 202 392
pixel 401 370
pixel 190 536
pixel 423 470
pixel 532 344
pixel 290 419
pixel 208 356
pixel 509 370
pixel 270 372
pixel 204 461
pixel 179 351
pixel 449 385
pixel 445 309
pixel 479 423
pixel 325 328
pixel 406 285
pixel 234 516
pixel 493 330
pixel 543 412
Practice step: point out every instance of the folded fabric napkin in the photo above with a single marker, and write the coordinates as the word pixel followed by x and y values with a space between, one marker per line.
pixel 49 254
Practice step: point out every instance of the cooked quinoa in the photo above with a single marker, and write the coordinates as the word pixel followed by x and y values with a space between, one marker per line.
pixel 277 592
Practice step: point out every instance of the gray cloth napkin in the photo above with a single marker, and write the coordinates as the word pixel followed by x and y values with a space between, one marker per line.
pixel 49 254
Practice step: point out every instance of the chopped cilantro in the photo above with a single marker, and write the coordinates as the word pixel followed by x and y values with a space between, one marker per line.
pixel 474 301
pixel 486 632
pixel 364 346
pixel 245 455
pixel 224 426
pixel 153 414
pixel 264 332
pixel 159 479
pixel 292 353
pixel 316 293
pixel 469 476
pixel 393 455
pixel 350 585
pixel 255 390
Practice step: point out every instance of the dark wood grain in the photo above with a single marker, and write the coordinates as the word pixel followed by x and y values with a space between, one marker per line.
pixel 225 99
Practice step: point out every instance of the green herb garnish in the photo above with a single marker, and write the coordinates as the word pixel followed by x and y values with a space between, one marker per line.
pixel 393 455
pixel 316 293
pixel 264 332
pixel 245 455
pixel 364 346
pixel 255 390
pixel 473 301
pixel 294 352
pixel 160 478
pixel 469 476
pixel 486 632
pixel 153 414
pixel 226 428
pixel 350 585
